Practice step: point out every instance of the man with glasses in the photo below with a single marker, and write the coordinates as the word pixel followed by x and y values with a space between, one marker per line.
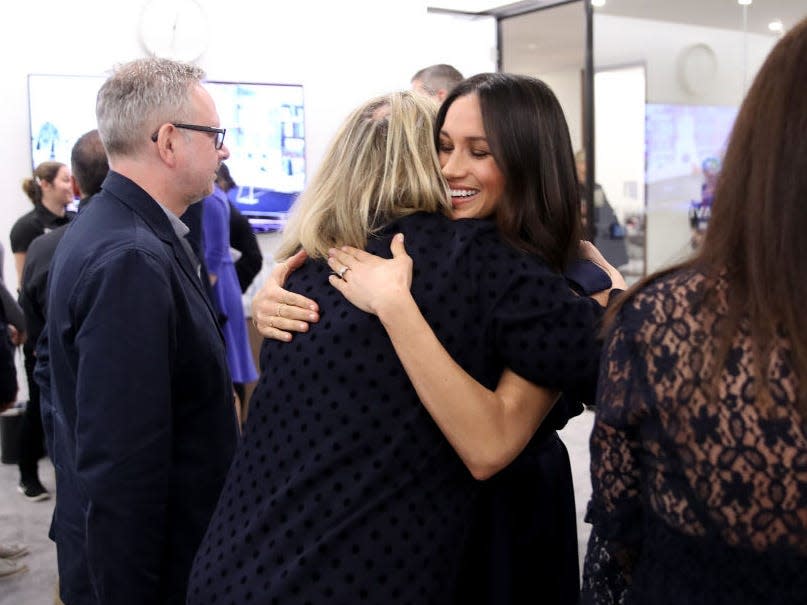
pixel 132 364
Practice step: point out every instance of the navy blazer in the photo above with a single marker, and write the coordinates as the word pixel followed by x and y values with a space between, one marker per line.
pixel 137 403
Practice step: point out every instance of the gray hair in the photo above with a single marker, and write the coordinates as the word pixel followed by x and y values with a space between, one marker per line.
pixel 140 96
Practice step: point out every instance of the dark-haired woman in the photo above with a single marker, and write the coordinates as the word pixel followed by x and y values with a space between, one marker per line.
pixel 699 448
pixel 504 150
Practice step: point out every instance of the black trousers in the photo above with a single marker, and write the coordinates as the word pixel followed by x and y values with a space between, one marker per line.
pixel 32 437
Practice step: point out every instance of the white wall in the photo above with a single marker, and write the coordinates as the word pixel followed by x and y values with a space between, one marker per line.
pixel 659 45
pixel 342 52
pixel 568 88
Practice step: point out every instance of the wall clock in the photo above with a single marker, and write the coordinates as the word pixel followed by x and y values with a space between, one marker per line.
pixel 697 69
pixel 174 29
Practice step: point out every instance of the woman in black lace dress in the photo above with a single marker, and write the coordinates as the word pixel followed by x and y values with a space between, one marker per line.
pixel 699 449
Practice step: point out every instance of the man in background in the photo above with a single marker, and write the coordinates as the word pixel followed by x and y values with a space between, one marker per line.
pixel 89 167
pixel 608 232
pixel 131 363
pixel 436 80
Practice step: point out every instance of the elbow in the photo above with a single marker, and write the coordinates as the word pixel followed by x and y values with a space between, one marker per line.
pixel 482 473
pixel 484 462
pixel 483 469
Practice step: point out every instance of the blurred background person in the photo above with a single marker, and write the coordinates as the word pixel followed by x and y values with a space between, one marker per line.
pixel 9 552
pixel 226 290
pixel 247 254
pixel 436 80
pixel 699 447
pixel 50 189
pixel 11 309
pixel 608 231
pixel 89 166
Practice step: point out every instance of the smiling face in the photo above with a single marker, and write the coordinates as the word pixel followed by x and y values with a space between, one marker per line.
pixel 475 180
pixel 59 193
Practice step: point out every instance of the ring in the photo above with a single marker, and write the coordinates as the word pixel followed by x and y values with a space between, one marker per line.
pixel 342 271
pixel 279 305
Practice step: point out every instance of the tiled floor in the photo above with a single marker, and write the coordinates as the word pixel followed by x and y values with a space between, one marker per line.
pixel 28 522
pixel 23 521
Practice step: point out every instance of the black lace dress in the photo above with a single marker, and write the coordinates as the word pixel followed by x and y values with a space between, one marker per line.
pixel 696 499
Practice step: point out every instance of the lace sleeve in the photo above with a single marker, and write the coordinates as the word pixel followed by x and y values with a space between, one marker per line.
pixel 615 509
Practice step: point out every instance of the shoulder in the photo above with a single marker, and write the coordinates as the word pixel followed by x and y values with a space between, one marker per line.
pixel 28 217
pixel 668 299
pixel 40 252
pixel 24 230
pixel 108 233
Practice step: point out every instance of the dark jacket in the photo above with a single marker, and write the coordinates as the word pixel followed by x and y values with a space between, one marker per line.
pixel 8 371
pixel 137 403
pixel 243 239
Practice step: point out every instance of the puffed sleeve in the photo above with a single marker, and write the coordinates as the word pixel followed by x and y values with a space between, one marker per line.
pixel 542 330
pixel 615 508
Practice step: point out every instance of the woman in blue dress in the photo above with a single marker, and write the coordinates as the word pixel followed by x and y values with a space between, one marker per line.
pixel 226 289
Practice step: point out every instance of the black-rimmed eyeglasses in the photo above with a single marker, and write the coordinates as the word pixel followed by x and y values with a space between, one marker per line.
pixel 219 132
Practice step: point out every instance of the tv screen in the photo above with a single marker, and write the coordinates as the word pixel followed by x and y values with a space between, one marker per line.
pixel 265 135
pixel 685 145
pixel 266 138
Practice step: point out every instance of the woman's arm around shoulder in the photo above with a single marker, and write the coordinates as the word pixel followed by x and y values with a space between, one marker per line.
pixel 487 429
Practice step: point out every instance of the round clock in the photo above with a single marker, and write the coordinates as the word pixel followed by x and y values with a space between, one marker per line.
pixel 175 29
pixel 697 68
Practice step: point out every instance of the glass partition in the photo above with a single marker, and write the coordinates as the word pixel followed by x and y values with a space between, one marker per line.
pixel 699 59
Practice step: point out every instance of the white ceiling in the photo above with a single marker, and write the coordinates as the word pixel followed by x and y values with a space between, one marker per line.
pixel 725 14
pixel 553 39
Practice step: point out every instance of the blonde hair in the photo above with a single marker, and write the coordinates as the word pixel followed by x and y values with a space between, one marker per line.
pixel 381 165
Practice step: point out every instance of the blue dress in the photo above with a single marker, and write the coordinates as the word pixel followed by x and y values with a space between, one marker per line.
pixel 344 490
pixel 226 290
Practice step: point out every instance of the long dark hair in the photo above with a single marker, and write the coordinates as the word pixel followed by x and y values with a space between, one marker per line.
pixel 529 139
pixel 757 235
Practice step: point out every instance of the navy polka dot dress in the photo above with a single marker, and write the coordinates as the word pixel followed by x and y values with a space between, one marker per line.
pixel 343 489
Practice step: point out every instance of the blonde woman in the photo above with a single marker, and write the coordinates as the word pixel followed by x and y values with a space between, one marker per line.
pixel 346 488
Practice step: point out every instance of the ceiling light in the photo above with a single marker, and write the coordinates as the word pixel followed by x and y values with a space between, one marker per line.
pixel 776 26
pixel 744 2
pixel 597 3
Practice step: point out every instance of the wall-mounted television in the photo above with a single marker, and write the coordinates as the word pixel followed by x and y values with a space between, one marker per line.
pixel 266 138
pixel 682 143
pixel 265 135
